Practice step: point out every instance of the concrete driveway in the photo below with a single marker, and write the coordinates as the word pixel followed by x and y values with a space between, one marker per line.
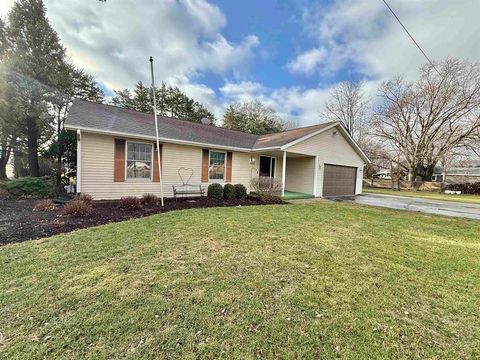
pixel 438 207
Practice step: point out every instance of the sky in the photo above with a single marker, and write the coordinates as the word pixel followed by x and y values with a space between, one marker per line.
pixel 288 54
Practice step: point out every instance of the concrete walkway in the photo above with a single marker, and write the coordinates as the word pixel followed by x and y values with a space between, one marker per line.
pixel 436 207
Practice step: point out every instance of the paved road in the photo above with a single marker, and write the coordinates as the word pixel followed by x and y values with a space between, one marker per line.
pixel 439 207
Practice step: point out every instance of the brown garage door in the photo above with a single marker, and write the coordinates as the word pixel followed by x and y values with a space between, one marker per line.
pixel 339 180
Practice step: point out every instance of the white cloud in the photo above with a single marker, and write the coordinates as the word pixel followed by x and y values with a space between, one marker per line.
pixel 292 103
pixel 364 35
pixel 308 61
pixel 113 40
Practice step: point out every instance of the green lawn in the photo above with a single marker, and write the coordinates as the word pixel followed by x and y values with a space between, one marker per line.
pixel 466 198
pixel 316 281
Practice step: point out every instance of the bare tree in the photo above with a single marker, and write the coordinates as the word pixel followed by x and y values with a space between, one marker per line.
pixel 350 106
pixel 433 116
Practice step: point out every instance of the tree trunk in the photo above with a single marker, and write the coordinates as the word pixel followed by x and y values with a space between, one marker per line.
pixel 429 172
pixel 4 157
pixel 32 142
pixel 412 175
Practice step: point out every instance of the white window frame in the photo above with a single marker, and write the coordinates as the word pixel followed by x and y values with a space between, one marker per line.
pixel 224 166
pixel 126 161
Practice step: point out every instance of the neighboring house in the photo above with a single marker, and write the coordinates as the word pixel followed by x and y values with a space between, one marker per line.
pixel 457 175
pixel 387 174
pixel 116 155
pixel 383 174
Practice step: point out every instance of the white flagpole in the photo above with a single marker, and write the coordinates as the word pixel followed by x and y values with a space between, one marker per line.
pixel 156 131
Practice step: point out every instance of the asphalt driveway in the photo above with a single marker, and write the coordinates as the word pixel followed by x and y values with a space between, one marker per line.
pixel 438 207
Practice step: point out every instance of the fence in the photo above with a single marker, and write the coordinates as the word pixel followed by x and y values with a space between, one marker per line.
pixel 404 184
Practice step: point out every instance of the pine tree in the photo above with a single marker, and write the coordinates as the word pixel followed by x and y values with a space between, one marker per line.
pixel 171 101
pixel 34 59
pixel 252 117
pixel 74 83
pixel 142 98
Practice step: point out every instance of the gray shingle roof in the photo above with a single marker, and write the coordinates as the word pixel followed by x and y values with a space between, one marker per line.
pixel 108 118
pixel 285 137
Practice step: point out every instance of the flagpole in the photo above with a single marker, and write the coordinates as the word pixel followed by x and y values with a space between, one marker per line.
pixel 156 131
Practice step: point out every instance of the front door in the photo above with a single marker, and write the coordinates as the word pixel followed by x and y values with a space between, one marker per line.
pixel 267 166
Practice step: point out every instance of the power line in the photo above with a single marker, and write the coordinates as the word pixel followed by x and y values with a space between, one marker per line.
pixel 411 37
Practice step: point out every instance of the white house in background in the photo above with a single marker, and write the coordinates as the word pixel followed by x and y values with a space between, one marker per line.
pixel 116 155
pixel 456 175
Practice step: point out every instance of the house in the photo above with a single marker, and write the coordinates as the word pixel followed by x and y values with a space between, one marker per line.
pixel 116 155
pixel 387 174
pixel 456 175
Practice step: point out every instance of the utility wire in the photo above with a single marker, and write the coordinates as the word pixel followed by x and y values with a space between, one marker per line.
pixel 411 37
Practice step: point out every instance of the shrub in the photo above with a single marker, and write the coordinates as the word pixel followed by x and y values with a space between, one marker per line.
pixel 240 191
pixel 466 188
pixel 215 191
pixel 85 197
pixel 149 200
pixel 31 186
pixel 44 205
pixel 130 202
pixel 77 207
pixel 4 194
pixel 229 191
pixel 267 188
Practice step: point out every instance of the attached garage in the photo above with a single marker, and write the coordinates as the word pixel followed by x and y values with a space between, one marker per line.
pixel 339 180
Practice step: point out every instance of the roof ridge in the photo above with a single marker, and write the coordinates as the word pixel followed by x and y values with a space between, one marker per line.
pixel 170 117
pixel 301 128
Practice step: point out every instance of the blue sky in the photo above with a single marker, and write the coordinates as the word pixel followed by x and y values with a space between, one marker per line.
pixel 288 54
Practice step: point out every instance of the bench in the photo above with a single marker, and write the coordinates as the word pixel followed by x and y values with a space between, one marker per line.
pixel 187 189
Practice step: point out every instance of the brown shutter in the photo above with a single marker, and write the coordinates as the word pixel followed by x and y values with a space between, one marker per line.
pixel 156 174
pixel 205 160
pixel 119 161
pixel 228 176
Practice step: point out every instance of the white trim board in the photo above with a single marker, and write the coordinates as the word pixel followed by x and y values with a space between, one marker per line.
pixel 162 139
pixel 349 138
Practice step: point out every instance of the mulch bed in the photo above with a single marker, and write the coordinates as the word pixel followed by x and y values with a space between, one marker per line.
pixel 18 222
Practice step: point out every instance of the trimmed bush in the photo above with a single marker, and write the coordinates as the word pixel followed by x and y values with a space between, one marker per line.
pixel 149 200
pixel 44 205
pixel 240 191
pixel 229 191
pixel 215 191
pixel 30 186
pixel 77 208
pixel 130 203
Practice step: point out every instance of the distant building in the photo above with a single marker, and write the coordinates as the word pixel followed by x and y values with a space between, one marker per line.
pixel 456 175
pixel 387 174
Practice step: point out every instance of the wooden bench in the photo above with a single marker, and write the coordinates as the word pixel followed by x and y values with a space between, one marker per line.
pixel 187 189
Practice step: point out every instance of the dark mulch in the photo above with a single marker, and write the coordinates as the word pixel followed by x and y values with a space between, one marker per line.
pixel 19 223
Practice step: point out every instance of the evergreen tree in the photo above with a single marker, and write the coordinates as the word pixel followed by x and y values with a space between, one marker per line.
pixel 171 101
pixel 34 59
pixel 75 83
pixel 252 117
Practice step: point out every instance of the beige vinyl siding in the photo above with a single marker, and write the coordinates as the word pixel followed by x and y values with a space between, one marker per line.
pixel 97 152
pixel 331 147
pixel 299 176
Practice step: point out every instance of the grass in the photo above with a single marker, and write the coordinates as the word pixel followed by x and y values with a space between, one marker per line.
pixel 288 281
pixel 465 198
